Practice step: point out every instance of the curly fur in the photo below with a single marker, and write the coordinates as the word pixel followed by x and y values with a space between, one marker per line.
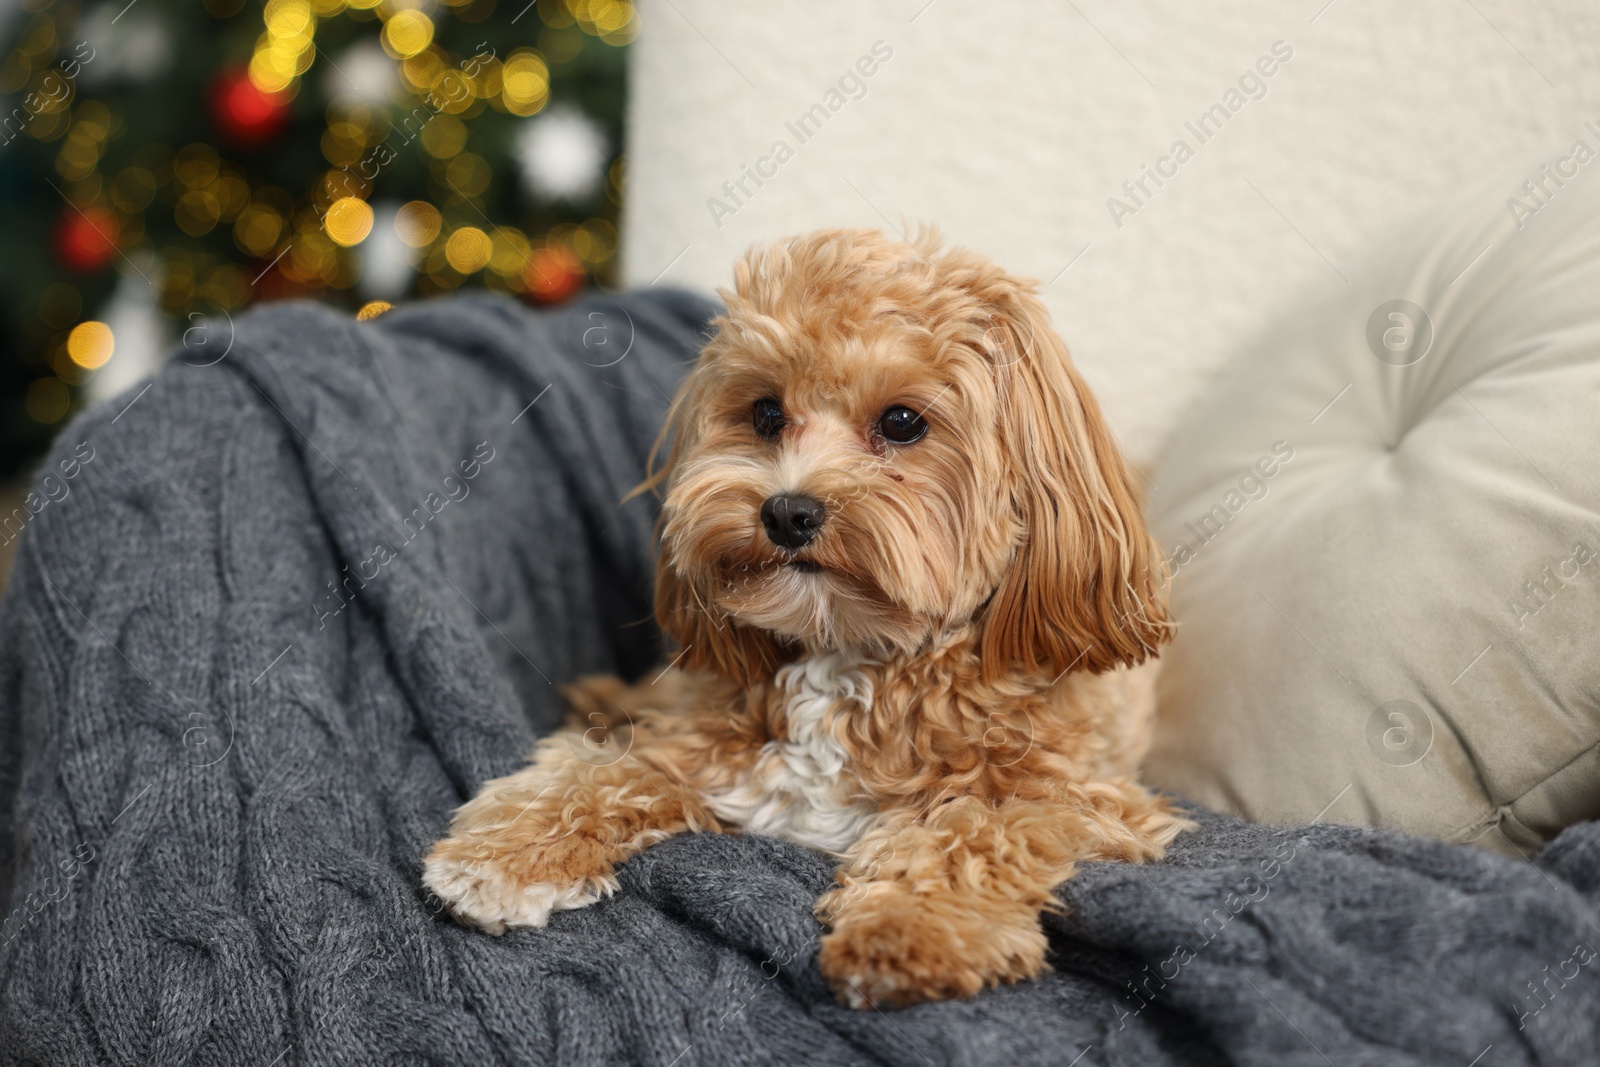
pixel 951 692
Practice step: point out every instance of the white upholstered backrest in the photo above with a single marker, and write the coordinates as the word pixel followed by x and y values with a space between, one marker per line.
pixel 1012 124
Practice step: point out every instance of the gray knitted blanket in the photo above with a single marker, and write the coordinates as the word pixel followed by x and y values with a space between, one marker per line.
pixel 274 617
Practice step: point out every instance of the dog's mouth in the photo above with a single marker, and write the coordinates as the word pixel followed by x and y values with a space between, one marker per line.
pixel 804 566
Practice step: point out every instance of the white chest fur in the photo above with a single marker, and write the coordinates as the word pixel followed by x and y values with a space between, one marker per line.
pixel 801 786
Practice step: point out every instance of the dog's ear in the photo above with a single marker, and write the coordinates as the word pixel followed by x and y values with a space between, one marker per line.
pixel 1087 588
pixel 707 638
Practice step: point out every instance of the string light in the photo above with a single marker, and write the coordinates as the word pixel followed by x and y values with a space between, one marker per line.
pixel 444 137
pixel 133 189
pixel 258 229
pixel 468 250
pixel 487 79
pixel 613 21
pixel 197 212
pixel 195 165
pixel 85 142
pixel 226 287
pixel 311 259
pixel 48 400
pixel 524 82
pixel 467 174
pixel 286 49
pixel 14 72
pixel 422 71
pixel 89 344
pixel 594 241
pixel 406 33
pixel 508 251
pixel 417 223
pixel 348 221
pixel 301 239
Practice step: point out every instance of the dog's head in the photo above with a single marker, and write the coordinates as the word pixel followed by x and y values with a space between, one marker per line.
pixel 881 442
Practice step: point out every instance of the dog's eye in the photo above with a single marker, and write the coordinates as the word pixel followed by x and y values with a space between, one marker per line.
pixel 769 420
pixel 902 425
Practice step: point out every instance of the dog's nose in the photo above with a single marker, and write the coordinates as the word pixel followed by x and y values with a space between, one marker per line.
pixel 792 519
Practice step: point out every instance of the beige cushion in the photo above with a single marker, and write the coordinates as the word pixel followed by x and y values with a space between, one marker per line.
pixel 1383 523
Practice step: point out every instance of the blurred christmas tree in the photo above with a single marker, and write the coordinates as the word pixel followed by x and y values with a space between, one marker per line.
pixel 167 162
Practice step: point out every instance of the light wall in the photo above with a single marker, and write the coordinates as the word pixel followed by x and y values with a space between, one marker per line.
pixel 1010 125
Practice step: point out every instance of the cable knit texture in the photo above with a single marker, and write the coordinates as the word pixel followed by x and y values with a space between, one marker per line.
pixel 302 602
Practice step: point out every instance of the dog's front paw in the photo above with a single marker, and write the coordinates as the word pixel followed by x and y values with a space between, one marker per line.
pixel 891 947
pixel 497 881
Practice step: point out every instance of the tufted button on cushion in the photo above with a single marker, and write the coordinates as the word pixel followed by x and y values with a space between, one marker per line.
pixel 1382 523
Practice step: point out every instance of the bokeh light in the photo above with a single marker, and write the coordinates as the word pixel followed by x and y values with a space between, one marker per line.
pixel 359 152
pixel 467 174
pixel 444 137
pixel 509 251
pixel 89 344
pixel 554 273
pixel 406 33
pixel 48 400
pixel 524 82
pixel 348 221
pixel 290 20
pixel 257 231
pixel 468 250
pixel 417 223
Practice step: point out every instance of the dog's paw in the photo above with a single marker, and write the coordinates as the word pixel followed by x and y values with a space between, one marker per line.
pixel 495 890
pixel 894 947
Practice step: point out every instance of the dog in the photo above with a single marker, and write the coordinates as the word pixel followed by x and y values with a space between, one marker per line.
pixel 917 611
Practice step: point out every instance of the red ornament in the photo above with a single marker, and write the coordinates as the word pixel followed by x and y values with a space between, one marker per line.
pixel 86 239
pixel 554 273
pixel 245 116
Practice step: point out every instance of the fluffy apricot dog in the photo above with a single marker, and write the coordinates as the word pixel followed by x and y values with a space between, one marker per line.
pixel 909 580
